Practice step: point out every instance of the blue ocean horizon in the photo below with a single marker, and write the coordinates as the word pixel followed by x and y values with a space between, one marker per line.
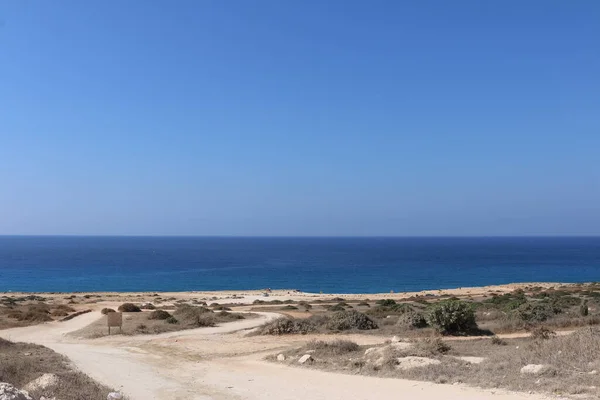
pixel 311 264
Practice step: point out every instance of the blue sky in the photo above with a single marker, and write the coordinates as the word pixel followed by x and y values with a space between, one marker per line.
pixel 311 117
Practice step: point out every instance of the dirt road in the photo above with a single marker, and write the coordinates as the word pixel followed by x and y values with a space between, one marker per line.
pixel 221 363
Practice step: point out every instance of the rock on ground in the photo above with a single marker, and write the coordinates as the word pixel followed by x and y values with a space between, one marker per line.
pixel 415 362
pixel 305 358
pixel 534 369
pixel 9 392
pixel 471 360
pixel 42 382
pixel 280 357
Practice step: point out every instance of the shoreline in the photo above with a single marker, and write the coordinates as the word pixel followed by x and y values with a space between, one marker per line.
pixel 295 294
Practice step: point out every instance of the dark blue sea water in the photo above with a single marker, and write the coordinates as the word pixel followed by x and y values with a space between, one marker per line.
pixel 331 265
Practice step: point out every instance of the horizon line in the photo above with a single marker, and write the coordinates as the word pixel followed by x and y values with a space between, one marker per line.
pixel 298 236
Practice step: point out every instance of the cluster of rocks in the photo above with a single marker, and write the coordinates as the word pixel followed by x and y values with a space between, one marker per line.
pixel 10 392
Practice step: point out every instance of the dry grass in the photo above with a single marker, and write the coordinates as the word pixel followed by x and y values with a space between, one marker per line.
pixel 571 362
pixel 160 321
pixel 27 312
pixel 330 322
pixel 19 369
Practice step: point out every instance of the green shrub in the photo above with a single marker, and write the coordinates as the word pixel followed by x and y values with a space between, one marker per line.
pixel 346 320
pixel 286 326
pixel 129 307
pixel 386 302
pixel 159 314
pixel 336 347
pixel 432 346
pixel 171 320
pixel 412 319
pixel 498 341
pixel 107 311
pixel 507 301
pixel 584 309
pixel 542 333
pixel 452 317
pixel 535 312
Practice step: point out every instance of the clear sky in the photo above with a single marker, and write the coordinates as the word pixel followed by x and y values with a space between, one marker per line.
pixel 312 117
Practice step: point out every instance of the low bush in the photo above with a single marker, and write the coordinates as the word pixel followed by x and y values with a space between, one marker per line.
pixel 432 346
pixel 286 326
pixel 336 347
pixel 388 307
pixel 129 307
pixel 335 308
pixel 171 320
pixel 536 312
pixel 584 309
pixel 346 320
pixel 412 319
pixel 498 341
pixel 452 317
pixel 542 333
pixel 107 311
pixel 159 314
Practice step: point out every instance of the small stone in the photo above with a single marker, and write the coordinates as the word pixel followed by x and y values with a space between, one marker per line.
pixel 471 360
pixel 280 357
pixel 114 396
pixel 305 358
pixel 26 354
pixel 593 372
pixel 395 339
pixel 370 350
pixel 415 362
pixel 42 382
pixel 534 369
pixel 9 392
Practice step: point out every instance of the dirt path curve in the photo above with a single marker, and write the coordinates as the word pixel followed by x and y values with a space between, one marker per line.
pixel 219 364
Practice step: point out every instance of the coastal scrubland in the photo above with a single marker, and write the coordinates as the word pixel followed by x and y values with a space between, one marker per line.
pixel 533 338
pixel 160 320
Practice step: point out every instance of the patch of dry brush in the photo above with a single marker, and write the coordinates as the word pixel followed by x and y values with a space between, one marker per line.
pixel 20 363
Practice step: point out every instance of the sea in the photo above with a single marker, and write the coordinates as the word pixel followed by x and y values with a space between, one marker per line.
pixel 310 264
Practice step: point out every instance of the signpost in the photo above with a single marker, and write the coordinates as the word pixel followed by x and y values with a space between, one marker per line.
pixel 114 319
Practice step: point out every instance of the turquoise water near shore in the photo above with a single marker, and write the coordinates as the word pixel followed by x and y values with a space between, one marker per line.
pixel 331 265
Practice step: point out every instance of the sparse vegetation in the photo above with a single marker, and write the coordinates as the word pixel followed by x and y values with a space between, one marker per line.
pixel 286 326
pixel 347 320
pixel 336 347
pixel 542 333
pixel 498 341
pixel 452 317
pixel 107 311
pixel 412 320
pixel 129 307
pixel 19 370
pixel 159 314
pixel 338 321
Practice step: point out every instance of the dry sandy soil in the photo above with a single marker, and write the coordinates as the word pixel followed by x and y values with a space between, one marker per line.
pixel 223 363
